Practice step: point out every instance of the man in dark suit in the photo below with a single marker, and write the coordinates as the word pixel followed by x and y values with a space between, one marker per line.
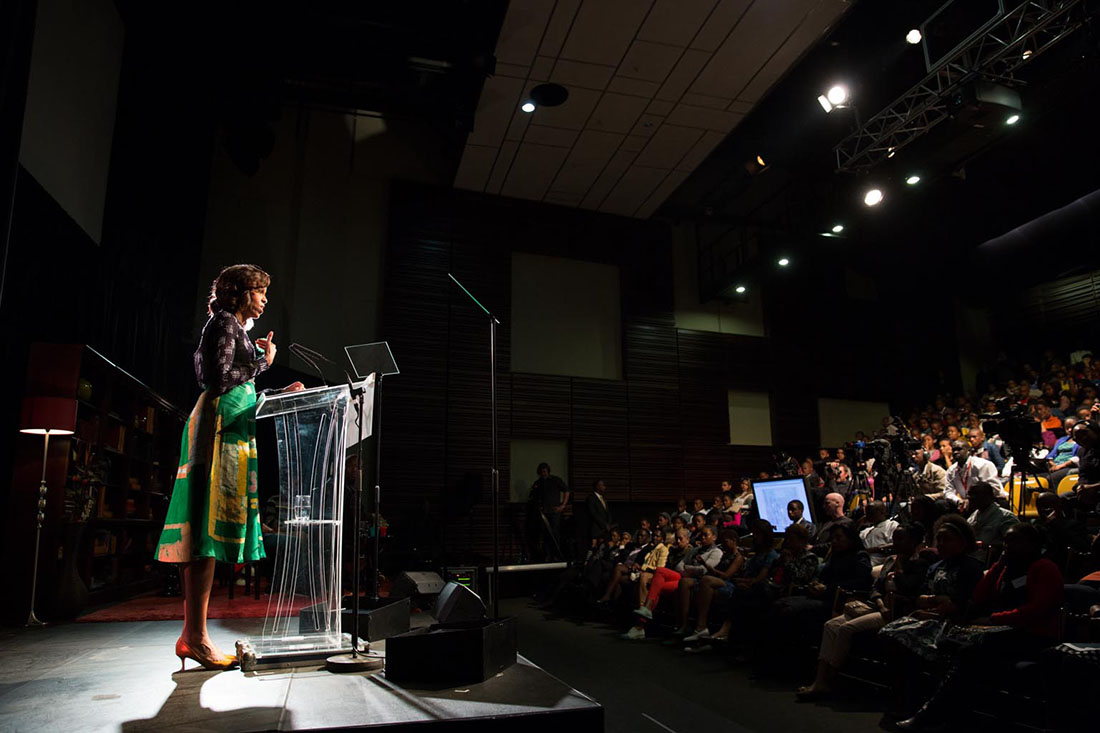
pixel 599 511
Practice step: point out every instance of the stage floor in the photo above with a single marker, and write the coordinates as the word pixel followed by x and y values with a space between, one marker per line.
pixel 124 676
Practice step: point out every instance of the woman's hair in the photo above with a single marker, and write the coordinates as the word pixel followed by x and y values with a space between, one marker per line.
pixel 762 537
pixel 957 523
pixel 797 530
pixel 848 530
pixel 729 534
pixel 232 285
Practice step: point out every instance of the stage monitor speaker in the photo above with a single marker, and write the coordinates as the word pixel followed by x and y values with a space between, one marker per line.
pixel 457 603
pixel 388 618
pixel 416 583
pixel 452 654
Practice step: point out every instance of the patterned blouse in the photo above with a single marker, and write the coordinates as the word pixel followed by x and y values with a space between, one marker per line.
pixel 226 357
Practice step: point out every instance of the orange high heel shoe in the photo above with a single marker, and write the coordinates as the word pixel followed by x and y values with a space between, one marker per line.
pixel 185 652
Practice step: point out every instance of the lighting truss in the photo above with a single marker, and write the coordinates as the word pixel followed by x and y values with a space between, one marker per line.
pixel 994 54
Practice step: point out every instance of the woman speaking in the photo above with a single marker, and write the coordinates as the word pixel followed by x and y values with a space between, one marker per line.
pixel 214 510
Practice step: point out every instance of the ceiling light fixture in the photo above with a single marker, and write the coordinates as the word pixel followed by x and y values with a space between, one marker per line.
pixel 837 96
pixel 913 37
pixel 913 180
pixel 1012 120
pixel 783 262
pixel 838 228
pixel 1027 54
pixel 528 106
pixel 873 197
pixel 739 289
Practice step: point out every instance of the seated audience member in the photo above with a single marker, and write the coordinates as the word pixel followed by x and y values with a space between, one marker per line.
pixel 650 554
pixel 1046 419
pixel 813 480
pixel 1022 591
pixel 729 561
pixel 931 479
pixel 698 521
pixel 682 511
pixel 833 513
pixel 679 545
pixel 751 590
pixel 952 578
pixel 645 524
pixel 661 581
pixel 900 582
pixel 706 559
pixel 714 514
pixel 986 449
pixel 839 479
pixel 697 505
pixel 678 523
pixel 730 517
pixel 795 509
pixel 967 471
pixel 1087 436
pixel 946 457
pixel 720 581
pixel 1062 458
pixel 664 521
pixel 925 510
pixel 877 535
pixel 990 521
pixel 742 503
pixel 1059 533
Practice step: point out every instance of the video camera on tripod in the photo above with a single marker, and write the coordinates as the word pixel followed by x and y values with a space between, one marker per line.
pixel 1017 429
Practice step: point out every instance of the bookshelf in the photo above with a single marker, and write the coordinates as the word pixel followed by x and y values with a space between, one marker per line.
pixel 109 483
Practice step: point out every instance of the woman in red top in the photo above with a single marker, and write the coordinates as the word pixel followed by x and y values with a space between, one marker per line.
pixel 1022 591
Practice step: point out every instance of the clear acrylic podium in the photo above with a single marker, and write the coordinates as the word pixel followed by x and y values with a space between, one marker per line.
pixel 314 430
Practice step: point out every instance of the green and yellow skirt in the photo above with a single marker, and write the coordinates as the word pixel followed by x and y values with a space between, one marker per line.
pixel 214 510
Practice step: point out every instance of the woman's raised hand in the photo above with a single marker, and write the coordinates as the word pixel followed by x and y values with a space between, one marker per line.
pixel 267 346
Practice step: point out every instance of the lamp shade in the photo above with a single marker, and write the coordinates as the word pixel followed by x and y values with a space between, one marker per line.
pixel 53 415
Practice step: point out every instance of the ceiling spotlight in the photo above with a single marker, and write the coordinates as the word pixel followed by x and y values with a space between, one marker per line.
pixel 913 180
pixel 838 228
pixel 892 152
pixel 1012 120
pixel 740 289
pixel 783 262
pixel 837 95
pixel 760 161
pixel 873 197
pixel 1027 54
pixel 528 107
pixel 825 103
pixel 913 37
pixel 756 165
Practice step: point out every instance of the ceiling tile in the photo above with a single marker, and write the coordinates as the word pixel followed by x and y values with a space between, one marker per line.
pixel 520 121
pixel 520 72
pixel 649 61
pixel 637 87
pixel 700 150
pixel 532 170
pixel 718 25
pixel 499 98
pixel 683 74
pixel 500 168
pixel 572 114
pixel 473 171
pixel 603 30
pixel 759 34
pixel 634 143
pixel 668 146
pixel 558 27
pixel 591 153
pixel 543 135
pixel 659 107
pixel 675 22
pixel 662 192
pixel 578 74
pixel 647 125
pixel 563 198
pixel 740 106
pixel 540 70
pixel 702 100
pixel 522 30
pixel 616 113
pixel 710 119
pixel 607 180
pixel 632 190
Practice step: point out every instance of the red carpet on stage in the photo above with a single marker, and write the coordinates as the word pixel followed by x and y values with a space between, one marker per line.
pixel 157 608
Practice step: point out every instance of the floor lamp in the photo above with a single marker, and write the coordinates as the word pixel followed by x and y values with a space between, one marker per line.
pixel 45 416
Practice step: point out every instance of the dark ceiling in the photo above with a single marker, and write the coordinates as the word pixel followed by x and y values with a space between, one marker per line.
pixel 976 185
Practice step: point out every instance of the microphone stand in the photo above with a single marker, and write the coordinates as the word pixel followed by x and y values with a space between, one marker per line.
pixel 494 584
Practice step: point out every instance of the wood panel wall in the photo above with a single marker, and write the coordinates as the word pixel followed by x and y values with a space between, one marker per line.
pixel 656 435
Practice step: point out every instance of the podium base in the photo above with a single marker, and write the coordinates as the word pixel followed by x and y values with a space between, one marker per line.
pixel 350 663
